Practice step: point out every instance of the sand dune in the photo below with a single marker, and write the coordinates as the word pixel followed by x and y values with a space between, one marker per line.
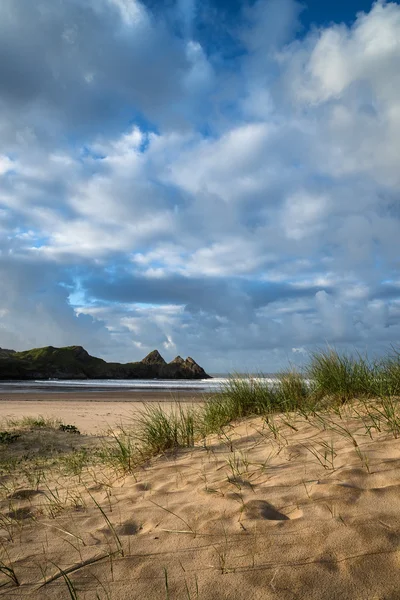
pixel 282 510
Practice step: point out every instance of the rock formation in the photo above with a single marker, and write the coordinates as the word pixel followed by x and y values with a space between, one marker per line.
pixel 74 362
pixel 154 358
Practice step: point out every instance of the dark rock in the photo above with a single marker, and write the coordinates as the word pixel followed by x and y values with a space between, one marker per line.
pixel 154 358
pixel 178 360
pixel 193 366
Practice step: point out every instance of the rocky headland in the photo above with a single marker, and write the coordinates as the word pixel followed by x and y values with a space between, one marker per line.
pixel 74 362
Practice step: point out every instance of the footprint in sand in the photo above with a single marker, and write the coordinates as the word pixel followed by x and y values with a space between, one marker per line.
pixel 128 528
pixel 20 514
pixel 24 494
pixel 143 487
pixel 260 509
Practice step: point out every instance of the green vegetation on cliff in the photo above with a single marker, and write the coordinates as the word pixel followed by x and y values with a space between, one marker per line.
pixel 74 362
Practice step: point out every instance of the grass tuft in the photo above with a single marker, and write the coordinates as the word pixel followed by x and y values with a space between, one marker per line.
pixel 341 376
pixel 240 397
pixel 158 431
pixel 292 390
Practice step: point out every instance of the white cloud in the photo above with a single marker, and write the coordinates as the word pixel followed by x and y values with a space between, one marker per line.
pixel 131 11
pixel 304 215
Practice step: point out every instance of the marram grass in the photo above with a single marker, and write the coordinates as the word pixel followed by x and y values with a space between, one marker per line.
pixel 341 376
pixel 329 378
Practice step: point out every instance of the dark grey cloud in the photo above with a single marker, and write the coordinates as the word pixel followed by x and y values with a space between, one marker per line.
pixel 34 308
pixel 178 289
pixel 75 68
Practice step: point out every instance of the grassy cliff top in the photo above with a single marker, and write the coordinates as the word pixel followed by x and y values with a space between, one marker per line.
pixel 68 353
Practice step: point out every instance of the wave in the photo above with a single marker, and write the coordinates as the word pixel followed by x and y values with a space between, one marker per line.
pixel 200 385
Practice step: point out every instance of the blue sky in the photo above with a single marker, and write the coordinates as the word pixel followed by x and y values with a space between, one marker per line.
pixel 215 179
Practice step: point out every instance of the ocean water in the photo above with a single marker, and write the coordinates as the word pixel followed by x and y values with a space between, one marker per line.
pixel 118 385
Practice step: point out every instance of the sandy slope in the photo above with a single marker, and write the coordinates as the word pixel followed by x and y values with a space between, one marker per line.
pixel 250 514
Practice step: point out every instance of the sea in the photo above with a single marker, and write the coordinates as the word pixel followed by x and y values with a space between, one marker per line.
pixel 205 386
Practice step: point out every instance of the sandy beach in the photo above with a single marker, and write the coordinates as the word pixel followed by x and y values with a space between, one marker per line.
pixel 290 507
pixel 91 412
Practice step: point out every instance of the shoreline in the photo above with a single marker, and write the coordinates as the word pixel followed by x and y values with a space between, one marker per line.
pixel 102 396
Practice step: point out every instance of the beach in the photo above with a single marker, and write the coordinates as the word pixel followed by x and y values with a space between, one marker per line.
pixel 270 492
pixel 296 506
pixel 91 412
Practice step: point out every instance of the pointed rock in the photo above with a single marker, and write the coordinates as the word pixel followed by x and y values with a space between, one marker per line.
pixel 189 361
pixel 178 360
pixel 194 368
pixel 154 358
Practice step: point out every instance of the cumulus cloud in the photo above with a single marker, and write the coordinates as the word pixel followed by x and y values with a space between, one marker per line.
pixel 156 193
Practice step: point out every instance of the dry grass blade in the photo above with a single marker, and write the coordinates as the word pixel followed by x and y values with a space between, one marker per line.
pixel 77 537
pixel 76 567
pixel 175 515
pixel 9 572
pixel 111 526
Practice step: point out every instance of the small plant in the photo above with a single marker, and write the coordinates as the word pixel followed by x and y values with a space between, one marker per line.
pixel 69 429
pixel 7 568
pixel 325 455
pixel 388 413
pixel 7 437
pixel 34 473
pixel 76 461
pixel 343 431
pixel 238 465
pixel 39 422
pixel 121 452
pixel 222 552
pixel 363 459
pixel 275 430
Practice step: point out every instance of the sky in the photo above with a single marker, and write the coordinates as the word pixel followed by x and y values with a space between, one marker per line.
pixel 217 179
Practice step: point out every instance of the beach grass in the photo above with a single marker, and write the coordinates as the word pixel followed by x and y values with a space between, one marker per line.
pixel 341 376
pixel 158 430
pixel 329 379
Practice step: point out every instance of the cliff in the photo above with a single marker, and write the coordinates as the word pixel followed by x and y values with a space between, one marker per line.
pixel 73 362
